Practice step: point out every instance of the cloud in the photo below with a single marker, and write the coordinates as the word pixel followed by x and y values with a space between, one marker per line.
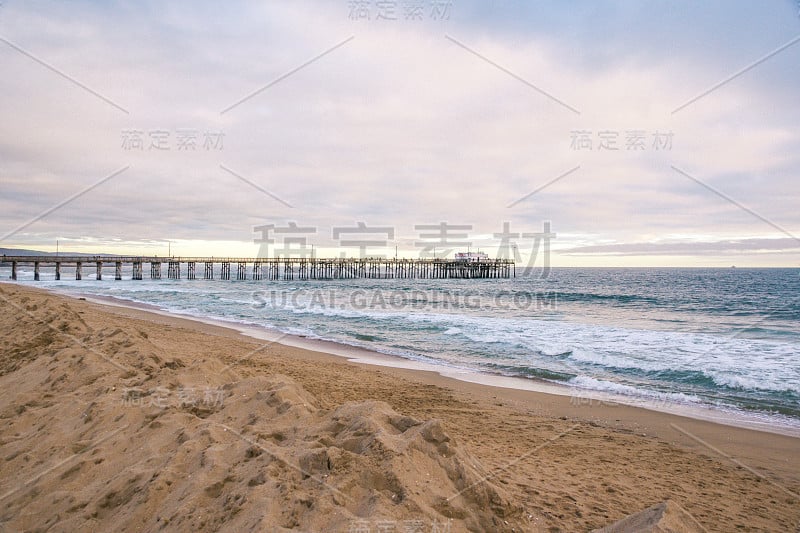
pixel 761 246
pixel 399 126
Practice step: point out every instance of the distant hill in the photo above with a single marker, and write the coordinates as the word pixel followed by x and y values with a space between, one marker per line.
pixel 25 252
pixel 21 251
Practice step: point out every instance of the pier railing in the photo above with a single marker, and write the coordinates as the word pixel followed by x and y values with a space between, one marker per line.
pixel 255 268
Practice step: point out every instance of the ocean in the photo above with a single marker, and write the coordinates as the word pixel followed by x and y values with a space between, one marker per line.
pixel 723 339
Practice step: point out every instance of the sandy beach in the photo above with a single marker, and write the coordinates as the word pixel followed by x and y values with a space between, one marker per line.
pixel 120 419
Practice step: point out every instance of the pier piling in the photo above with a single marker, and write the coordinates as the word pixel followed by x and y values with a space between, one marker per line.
pixel 174 270
pixel 137 270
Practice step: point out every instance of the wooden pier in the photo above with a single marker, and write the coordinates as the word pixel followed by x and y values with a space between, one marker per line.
pixel 254 268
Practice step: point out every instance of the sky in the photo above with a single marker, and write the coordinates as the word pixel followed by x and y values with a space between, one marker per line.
pixel 640 133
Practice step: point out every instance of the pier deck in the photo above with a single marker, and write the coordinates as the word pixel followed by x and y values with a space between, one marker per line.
pixel 256 268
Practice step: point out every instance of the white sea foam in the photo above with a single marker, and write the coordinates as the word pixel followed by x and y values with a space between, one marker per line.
pixel 590 383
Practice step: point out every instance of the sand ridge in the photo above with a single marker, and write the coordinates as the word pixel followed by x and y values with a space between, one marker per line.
pixel 130 423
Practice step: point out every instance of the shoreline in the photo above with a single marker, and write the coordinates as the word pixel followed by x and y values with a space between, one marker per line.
pixel 580 396
pixel 552 464
pixel 556 397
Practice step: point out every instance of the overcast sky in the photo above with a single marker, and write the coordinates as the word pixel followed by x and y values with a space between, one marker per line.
pixel 126 125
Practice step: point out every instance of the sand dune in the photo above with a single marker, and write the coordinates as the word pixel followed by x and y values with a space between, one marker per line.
pixel 118 420
pixel 168 442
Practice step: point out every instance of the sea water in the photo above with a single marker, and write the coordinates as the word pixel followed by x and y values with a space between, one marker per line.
pixel 728 339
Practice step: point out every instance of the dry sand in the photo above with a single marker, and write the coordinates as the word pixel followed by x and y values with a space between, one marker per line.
pixel 118 419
